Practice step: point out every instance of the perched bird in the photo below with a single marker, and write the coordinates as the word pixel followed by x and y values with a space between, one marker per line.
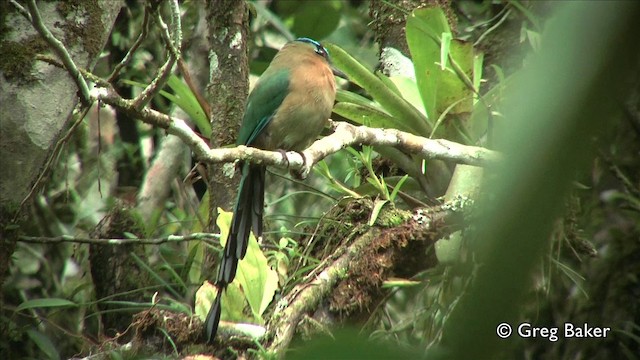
pixel 287 109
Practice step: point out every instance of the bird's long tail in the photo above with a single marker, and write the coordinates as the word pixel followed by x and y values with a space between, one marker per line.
pixel 247 217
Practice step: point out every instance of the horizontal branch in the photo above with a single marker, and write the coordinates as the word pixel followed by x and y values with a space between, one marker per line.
pixel 344 135
pixel 207 237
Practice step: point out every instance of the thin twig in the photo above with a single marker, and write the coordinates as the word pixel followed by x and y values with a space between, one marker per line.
pixel 60 50
pixel 176 24
pixel 127 58
pixel 166 69
pixel 21 10
pixel 78 114
pixel 495 26
pixel 88 75
pixel 206 237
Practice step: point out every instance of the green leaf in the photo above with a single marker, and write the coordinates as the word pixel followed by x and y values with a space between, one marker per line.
pixel 388 83
pixel 396 188
pixel 187 101
pixel 424 28
pixel 205 295
pixel 399 283
pixel 391 102
pixel 409 91
pixel 478 124
pixel 235 302
pixel 443 66
pixel 369 116
pixel 45 303
pixel 257 279
pixel 445 46
pixel 451 88
pixel 44 344
pixel 351 97
pixel 184 99
pixel 377 207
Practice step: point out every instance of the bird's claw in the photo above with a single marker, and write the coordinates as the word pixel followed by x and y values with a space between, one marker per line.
pixel 298 174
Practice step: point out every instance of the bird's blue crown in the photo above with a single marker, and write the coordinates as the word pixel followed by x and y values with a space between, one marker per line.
pixel 320 50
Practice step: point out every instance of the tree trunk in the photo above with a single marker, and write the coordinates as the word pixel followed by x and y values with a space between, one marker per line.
pixel 37 99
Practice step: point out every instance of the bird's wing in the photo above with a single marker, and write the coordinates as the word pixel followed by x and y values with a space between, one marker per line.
pixel 262 104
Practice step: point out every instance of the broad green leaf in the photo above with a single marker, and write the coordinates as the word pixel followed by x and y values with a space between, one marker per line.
pixel 44 344
pixel 44 303
pixel 233 302
pixel 351 97
pixel 368 116
pixel 257 279
pixel 391 102
pixel 388 83
pixel 409 90
pixel 233 298
pixel 424 28
pixel 481 120
pixel 205 295
pixel 443 66
pixel 450 87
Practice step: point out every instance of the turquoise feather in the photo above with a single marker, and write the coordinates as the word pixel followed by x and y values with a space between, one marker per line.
pixel 286 110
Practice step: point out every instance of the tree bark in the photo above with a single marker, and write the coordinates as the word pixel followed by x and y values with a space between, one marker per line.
pixel 226 92
pixel 37 99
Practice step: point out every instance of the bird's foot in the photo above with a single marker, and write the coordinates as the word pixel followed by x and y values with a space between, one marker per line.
pixel 284 156
pixel 301 173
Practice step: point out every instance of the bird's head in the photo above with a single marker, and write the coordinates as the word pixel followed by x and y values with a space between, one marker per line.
pixel 320 50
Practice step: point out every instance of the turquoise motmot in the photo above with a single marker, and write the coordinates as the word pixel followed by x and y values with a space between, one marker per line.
pixel 287 109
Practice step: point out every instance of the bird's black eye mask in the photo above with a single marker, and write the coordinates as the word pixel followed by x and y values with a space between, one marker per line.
pixel 320 50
